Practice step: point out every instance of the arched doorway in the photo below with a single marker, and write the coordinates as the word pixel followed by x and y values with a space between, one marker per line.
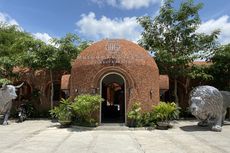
pixel 113 93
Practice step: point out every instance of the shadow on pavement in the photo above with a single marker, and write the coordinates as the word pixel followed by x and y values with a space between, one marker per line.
pixel 226 123
pixel 194 128
pixel 73 128
pixel 77 129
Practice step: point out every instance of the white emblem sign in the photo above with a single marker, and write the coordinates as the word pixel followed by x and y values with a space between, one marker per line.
pixel 112 45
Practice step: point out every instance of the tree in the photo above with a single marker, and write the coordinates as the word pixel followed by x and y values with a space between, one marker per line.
pixel 9 38
pixel 172 36
pixel 221 67
pixel 67 49
pixel 52 57
pixel 19 48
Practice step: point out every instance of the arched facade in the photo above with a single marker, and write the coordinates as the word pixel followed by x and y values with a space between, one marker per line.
pixel 113 91
pixel 117 56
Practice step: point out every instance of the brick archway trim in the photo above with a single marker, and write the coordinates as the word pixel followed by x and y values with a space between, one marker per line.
pixel 97 78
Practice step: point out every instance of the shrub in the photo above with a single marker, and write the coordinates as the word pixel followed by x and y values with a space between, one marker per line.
pixel 63 112
pixel 135 115
pixel 165 112
pixel 85 106
pixel 4 81
pixel 147 121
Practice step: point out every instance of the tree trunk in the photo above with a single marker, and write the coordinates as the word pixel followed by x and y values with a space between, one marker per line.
pixel 175 92
pixel 52 90
pixel 187 85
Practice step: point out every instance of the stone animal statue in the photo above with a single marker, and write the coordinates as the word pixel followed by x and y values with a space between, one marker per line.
pixel 226 102
pixel 7 94
pixel 206 104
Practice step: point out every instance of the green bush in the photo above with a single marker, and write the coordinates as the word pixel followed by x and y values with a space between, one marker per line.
pixel 63 112
pixel 135 115
pixel 165 112
pixel 147 121
pixel 85 106
pixel 4 81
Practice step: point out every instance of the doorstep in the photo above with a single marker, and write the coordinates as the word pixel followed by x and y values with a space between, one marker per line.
pixel 112 127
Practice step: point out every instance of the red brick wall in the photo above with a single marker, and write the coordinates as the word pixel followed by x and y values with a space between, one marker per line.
pixel 134 64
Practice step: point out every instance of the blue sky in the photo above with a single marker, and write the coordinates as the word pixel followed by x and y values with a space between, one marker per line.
pixel 98 19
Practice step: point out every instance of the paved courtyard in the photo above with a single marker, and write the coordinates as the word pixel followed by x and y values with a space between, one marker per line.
pixel 43 136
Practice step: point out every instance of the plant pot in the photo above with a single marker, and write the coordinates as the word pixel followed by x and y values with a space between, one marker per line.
pixel 163 125
pixel 132 123
pixel 65 123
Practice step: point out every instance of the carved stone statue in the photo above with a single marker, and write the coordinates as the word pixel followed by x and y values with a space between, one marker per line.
pixel 206 104
pixel 7 94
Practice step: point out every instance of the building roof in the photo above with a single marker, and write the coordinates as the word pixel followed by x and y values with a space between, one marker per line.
pixel 65 82
pixel 20 69
pixel 202 63
pixel 164 82
pixel 114 50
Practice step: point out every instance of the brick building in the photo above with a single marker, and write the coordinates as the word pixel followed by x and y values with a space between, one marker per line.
pixel 120 71
pixel 37 89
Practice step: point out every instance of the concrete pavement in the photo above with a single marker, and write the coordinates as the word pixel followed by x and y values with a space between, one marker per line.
pixel 43 136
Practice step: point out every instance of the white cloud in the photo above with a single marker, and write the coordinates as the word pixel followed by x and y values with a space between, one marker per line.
pixel 6 19
pixel 44 37
pixel 96 29
pixel 103 2
pixel 127 4
pixel 135 4
pixel 222 23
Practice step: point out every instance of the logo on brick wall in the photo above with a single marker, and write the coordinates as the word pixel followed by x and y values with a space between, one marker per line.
pixel 112 45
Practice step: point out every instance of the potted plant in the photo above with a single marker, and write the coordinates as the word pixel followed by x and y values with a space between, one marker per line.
pixel 135 115
pixel 85 108
pixel 63 112
pixel 163 113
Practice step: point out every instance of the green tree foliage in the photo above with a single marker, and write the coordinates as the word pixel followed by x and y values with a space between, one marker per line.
pixel 9 53
pixel 172 36
pixel 4 81
pixel 201 72
pixel 36 54
pixel 18 48
pixel 68 49
pixel 52 57
pixel 55 57
pixel 221 67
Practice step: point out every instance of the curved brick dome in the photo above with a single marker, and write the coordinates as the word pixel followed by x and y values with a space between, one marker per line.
pixel 118 57
pixel 122 51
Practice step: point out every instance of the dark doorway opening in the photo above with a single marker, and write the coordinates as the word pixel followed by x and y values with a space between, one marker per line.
pixel 113 93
